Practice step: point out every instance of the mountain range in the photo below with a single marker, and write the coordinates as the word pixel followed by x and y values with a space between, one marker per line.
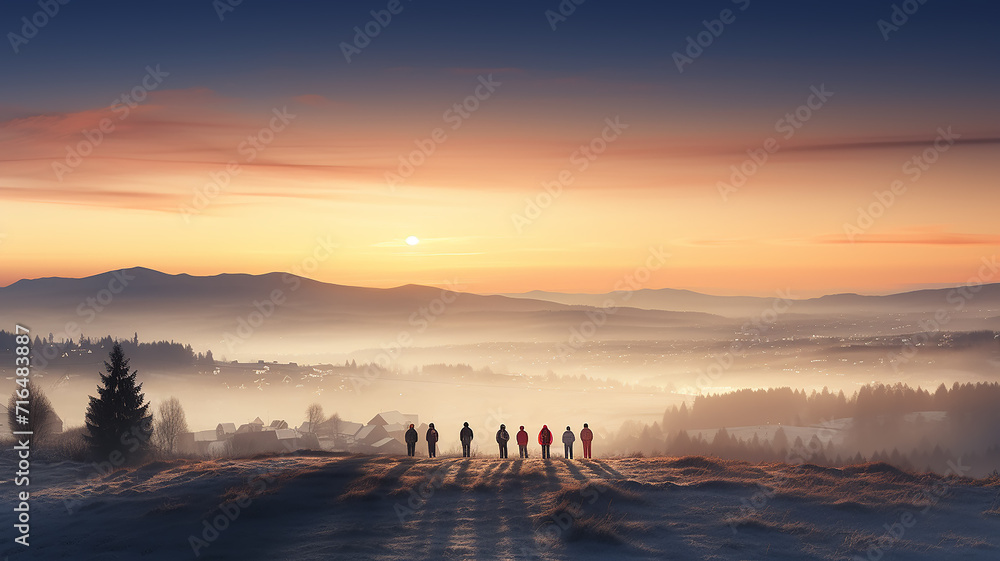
pixel 237 312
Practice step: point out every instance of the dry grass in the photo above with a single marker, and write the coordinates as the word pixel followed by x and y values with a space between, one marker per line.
pixel 952 540
pixel 756 521
pixel 362 488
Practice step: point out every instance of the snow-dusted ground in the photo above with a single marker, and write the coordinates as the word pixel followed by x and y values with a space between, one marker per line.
pixel 363 507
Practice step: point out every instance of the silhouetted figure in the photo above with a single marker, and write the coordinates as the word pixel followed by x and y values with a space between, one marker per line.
pixel 568 439
pixel 502 437
pixel 586 436
pixel 432 439
pixel 545 439
pixel 466 437
pixel 411 441
pixel 522 442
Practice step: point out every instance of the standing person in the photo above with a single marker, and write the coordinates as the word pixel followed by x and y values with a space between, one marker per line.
pixel 522 442
pixel 466 437
pixel 545 439
pixel 586 436
pixel 502 437
pixel 568 439
pixel 411 441
pixel 432 438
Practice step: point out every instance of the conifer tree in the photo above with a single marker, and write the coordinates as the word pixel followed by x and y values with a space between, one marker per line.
pixel 118 422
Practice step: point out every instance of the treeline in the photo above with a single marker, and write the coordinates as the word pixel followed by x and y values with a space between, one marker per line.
pixel 974 403
pixel 50 351
pixel 466 373
pixel 906 427
pixel 970 339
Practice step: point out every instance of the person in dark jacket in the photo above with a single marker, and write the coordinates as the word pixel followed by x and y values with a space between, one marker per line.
pixel 432 438
pixel 568 439
pixel 466 437
pixel 502 437
pixel 587 437
pixel 411 441
pixel 545 439
pixel 522 442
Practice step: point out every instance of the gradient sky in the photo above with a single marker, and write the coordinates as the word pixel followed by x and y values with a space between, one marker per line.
pixel 323 177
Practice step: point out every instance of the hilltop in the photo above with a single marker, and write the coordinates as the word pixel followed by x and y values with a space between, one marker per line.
pixel 307 507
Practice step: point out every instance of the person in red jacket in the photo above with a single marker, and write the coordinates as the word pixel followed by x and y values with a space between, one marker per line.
pixel 587 436
pixel 545 439
pixel 522 442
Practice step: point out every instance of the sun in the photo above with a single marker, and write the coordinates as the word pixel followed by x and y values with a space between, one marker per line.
pixel 412 240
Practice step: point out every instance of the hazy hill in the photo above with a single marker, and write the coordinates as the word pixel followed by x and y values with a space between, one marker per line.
pixel 984 302
pixel 278 310
pixel 282 315
pixel 313 507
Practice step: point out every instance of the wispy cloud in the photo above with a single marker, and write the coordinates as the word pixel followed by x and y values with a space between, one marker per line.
pixel 887 144
pixel 918 237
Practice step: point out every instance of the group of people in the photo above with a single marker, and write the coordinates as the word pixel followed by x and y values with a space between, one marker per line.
pixel 465 436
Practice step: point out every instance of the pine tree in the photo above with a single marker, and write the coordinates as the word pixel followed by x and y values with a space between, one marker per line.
pixel 118 422
pixel 780 441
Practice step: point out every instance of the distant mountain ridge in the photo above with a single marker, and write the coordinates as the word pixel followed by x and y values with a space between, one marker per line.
pixel 984 299
pixel 246 316
pixel 217 289
pixel 262 311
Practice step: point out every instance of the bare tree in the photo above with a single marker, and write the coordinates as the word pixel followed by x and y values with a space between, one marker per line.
pixel 40 416
pixel 314 416
pixel 338 439
pixel 170 424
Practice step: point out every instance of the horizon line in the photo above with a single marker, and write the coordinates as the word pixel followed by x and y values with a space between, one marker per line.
pixel 890 292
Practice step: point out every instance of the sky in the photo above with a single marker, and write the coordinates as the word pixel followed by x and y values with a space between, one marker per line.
pixel 803 146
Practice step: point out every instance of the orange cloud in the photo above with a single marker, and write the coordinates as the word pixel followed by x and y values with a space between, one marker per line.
pixel 914 238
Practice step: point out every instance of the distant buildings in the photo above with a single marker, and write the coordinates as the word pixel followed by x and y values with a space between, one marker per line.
pixel 383 434
pixel 249 439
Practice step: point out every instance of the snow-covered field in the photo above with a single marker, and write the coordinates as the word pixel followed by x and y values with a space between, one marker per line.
pixel 367 507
